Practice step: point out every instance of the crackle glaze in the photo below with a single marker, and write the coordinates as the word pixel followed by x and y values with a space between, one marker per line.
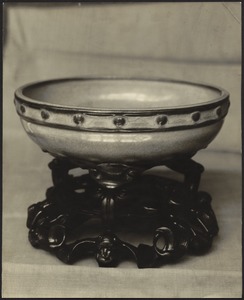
pixel 117 120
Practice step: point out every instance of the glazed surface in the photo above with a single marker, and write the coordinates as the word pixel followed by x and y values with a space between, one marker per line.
pixel 121 93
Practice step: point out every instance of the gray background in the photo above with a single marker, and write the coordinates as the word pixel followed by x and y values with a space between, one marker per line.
pixel 189 41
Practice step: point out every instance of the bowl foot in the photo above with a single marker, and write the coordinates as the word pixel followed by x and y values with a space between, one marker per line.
pixel 177 217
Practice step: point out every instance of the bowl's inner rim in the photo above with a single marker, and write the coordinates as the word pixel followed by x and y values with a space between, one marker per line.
pixel 37 93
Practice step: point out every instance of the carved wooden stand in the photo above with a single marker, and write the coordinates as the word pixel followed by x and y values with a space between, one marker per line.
pixel 115 195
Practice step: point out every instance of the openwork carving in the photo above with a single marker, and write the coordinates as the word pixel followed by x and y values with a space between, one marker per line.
pixel 180 216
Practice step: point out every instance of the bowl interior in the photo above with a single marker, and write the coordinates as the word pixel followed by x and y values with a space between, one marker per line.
pixel 120 94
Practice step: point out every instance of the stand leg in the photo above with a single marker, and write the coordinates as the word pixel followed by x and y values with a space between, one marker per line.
pixel 190 169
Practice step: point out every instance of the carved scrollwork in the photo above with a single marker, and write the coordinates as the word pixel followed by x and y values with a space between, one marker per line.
pixel 181 216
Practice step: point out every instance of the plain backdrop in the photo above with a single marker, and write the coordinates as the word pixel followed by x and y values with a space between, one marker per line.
pixel 196 41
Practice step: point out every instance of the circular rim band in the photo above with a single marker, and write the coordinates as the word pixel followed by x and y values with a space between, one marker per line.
pixel 156 119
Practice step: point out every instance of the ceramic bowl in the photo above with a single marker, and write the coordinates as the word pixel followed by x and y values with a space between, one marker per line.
pixel 119 120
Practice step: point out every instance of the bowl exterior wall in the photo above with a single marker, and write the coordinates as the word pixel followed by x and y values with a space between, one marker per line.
pixel 121 147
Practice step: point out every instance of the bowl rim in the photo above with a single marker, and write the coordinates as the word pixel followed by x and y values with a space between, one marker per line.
pixel 19 96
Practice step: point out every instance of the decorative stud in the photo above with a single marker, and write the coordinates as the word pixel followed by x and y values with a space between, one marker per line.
pixel 78 119
pixel 196 116
pixel 162 120
pixel 119 121
pixel 22 108
pixel 45 114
